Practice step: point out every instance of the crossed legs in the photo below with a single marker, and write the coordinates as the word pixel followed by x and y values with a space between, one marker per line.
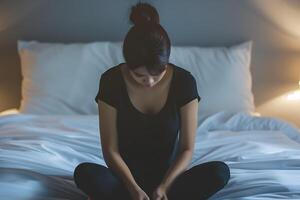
pixel 197 183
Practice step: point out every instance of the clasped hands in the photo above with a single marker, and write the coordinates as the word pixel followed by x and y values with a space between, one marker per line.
pixel 160 193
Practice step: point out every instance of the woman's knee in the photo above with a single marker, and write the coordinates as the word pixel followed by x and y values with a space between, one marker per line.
pixel 86 172
pixel 203 179
pixel 81 170
pixel 78 171
pixel 220 171
pixel 96 180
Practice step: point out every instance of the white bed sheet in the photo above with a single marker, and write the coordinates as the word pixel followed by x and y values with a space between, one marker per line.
pixel 38 154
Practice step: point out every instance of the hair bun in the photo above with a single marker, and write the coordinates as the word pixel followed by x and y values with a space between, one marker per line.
pixel 143 13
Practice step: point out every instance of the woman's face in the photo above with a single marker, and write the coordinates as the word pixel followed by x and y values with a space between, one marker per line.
pixel 142 76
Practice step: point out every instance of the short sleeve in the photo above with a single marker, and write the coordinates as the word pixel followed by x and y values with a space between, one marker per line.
pixel 187 90
pixel 106 91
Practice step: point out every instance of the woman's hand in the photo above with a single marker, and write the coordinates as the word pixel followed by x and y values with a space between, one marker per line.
pixel 160 193
pixel 139 194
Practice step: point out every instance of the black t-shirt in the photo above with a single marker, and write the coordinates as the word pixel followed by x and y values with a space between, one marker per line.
pixel 146 141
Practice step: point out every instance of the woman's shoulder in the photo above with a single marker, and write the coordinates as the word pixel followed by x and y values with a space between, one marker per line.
pixel 110 78
pixel 109 87
pixel 111 72
pixel 181 73
pixel 186 86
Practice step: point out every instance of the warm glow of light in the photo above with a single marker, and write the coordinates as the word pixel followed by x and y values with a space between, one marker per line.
pixel 294 96
pixel 284 14
pixel 286 106
pixel 10 111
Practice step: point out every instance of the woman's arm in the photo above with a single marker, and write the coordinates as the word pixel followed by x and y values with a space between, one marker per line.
pixel 189 114
pixel 109 143
pixel 116 162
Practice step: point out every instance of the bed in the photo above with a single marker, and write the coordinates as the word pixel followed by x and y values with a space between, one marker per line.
pixel 48 136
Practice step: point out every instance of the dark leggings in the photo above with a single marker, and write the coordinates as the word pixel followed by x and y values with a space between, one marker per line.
pixel 197 183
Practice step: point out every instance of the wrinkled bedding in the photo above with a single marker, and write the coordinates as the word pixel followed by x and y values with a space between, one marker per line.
pixel 38 154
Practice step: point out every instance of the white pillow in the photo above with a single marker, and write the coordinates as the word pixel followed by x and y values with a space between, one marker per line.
pixel 64 78
pixel 222 74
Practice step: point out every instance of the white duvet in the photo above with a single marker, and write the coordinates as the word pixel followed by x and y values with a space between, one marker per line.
pixel 38 154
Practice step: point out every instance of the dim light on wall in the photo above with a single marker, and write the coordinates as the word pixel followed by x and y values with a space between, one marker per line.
pixel 295 95
pixel 285 107
pixel 10 111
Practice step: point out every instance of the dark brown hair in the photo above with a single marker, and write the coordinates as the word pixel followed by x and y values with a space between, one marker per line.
pixel 146 43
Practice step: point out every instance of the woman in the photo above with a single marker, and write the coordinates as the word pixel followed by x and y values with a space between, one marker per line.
pixel 142 105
